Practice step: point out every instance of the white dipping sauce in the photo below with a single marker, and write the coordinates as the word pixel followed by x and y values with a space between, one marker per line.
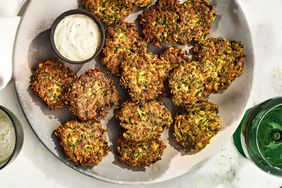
pixel 77 37
pixel 7 138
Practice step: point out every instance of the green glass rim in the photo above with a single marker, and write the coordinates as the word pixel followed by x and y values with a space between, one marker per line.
pixel 260 112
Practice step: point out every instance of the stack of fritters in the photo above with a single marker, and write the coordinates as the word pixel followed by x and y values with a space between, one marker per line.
pixel 170 22
pixel 112 11
pixel 140 143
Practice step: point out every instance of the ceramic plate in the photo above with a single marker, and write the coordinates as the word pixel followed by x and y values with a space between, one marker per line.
pixel 33 45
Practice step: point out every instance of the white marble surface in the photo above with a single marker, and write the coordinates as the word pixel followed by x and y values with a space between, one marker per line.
pixel 36 167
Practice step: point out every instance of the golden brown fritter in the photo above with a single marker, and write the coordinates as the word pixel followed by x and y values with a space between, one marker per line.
pixel 175 56
pixel 170 22
pixel 139 154
pixel 144 75
pixel 92 95
pixel 51 81
pixel 223 61
pixel 121 40
pixel 112 11
pixel 84 143
pixel 143 121
pixel 194 129
pixel 187 84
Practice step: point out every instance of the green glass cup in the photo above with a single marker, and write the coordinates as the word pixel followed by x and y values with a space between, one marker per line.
pixel 259 136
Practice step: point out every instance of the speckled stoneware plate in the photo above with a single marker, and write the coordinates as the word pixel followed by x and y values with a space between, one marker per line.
pixel 33 45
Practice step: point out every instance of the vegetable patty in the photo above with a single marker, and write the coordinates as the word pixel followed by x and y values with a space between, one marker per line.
pixel 121 40
pixel 112 11
pixel 140 154
pixel 84 143
pixel 222 59
pixel 51 81
pixel 194 129
pixel 143 121
pixel 144 75
pixel 92 95
pixel 187 84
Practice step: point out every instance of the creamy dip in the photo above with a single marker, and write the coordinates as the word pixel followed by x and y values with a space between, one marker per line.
pixel 7 138
pixel 77 37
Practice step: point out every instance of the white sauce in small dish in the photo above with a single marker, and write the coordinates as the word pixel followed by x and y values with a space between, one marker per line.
pixel 7 138
pixel 77 37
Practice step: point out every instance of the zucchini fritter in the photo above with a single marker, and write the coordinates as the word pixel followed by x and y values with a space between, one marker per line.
pixel 144 75
pixel 222 59
pixel 194 129
pixel 168 21
pixel 112 11
pixel 187 84
pixel 51 81
pixel 84 143
pixel 143 121
pixel 92 95
pixel 139 154
pixel 121 39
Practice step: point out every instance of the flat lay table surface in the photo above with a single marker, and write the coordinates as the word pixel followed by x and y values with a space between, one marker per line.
pixel 37 167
